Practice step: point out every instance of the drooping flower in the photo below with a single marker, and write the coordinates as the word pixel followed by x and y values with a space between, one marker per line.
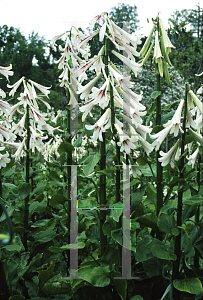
pixel 15 86
pixel 196 101
pixel 42 88
pixel 192 158
pixel 135 67
pixel 126 143
pixel 99 125
pixel 100 95
pixel 167 43
pixel 160 136
pixel 4 159
pixel 170 156
pixel 157 54
pixel 176 120
pixel 5 71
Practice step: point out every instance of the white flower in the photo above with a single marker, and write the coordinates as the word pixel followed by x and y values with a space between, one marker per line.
pixel 99 125
pixel 18 128
pixel 6 71
pixel 176 120
pixel 86 109
pixel 5 107
pixel 192 158
pixel 167 43
pixel 20 149
pixel 15 86
pixel 170 156
pixel 135 67
pixel 100 95
pixel 126 143
pixel 85 90
pixel 158 55
pixel 197 101
pixel 160 136
pixel 42 88
pixel 2 93
pixel 4 160
pixel 198 137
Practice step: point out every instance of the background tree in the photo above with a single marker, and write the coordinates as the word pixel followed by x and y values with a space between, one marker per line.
pixel 186 34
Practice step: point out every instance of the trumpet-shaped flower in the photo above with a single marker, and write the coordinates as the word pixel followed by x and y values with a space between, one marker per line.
pixel 8 135
pixel 126 143
pixel 196 101
pixel 42 88
pixel 135 67
pixel 86 109
pixel 2 93
pixel 5 71
pixel 192 158
pixel 4 159
pixel 198 137
pixel 160 136
pixel 176 120
pixel 100 95
pixel 158 55
pixel 85 90
pixel 167 43
pixel 18 128
pixel 99 125
pixel 15 86
pixel 170 156
pixel 5 107
pixel 20 149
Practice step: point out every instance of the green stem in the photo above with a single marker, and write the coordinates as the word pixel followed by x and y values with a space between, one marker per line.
pixel 159 167
pixel 26 213
pixel 177 250
pixel 103 238
pixel 159 202
pixel 197 214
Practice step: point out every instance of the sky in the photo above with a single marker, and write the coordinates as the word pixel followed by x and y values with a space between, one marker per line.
pixel 50 18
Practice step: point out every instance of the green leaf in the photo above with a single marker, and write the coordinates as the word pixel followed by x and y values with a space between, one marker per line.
pixel 148 220
pixel 116 211
pixel 153 267
pixel 143 249
pixel 97 276
pixel 17 297
pixel 186 244
pixel 65 147
pixel 189 285
pixel 167 107
pixel 44 236
pixel 38 207
pixel 197 199
pixel 108 226
pixel 137 196
pixel 78 142
pixel 39 188
pixel 55 178
pixel 168 117
pixel 120 285
pixel 155 94
pixel 56 288
pixel 166 223
pixel 117 235
pixel 24 190
pixel 137 297
pixel 91 162
pixel 45 275
pixel 57 199
pixel 11 186
pixel 161 251
pixel 80 245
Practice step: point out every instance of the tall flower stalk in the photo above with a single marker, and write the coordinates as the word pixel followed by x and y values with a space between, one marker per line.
pixel 177 248
pixel 162 47
pixel 109 96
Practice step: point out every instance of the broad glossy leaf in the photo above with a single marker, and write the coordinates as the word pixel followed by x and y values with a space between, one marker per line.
pixel 120 285
pixel 143 249
pixel 97 276
pixel 80 245
pixel 189 285
pixel 90 163
pixel 161 251
pixel 24 190
pixel 45 275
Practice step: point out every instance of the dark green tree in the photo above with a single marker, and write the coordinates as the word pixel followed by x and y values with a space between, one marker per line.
pixel 186 36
